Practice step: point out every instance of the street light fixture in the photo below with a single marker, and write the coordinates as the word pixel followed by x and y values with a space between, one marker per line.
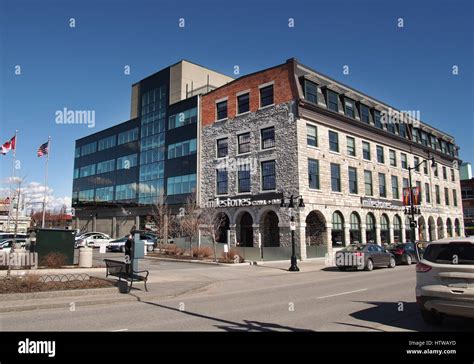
pixel 291 207
pixel 412 207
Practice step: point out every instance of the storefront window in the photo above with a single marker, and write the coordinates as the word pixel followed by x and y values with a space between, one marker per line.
pixel 384 230
pixel 355 228
pixel 337 233
pixel 370 229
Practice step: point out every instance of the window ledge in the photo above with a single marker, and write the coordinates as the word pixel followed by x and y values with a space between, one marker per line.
pixel 266 107
pixel 243 113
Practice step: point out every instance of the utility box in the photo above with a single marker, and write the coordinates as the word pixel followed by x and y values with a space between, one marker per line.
pixel 56 241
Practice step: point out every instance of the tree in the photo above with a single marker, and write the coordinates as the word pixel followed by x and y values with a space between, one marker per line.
pixel 211 224
pixel 161 217
pixel 188 220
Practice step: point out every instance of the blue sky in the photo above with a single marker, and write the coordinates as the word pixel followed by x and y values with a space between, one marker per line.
pixel 81 68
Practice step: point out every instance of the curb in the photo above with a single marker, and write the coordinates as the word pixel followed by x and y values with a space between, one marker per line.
pixel 54 271
pixel 56 294
pixel 196 261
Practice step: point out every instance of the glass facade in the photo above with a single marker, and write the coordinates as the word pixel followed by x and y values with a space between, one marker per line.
pixel 107 142
pixel 106 166
pixel 181 149
pixel 181 184
pixel 182 118
pixel 104 194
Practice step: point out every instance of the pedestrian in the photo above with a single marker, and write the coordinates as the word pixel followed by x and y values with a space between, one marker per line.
pixel 32 239
pixel 128 251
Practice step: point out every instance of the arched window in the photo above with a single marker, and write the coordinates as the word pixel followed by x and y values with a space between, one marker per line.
pixel 457 227
pixel 355 228
pixel 397 229
pixel 449 227
pixel 384 229
pixel 409 233
pixel 337 231
pixel 370 236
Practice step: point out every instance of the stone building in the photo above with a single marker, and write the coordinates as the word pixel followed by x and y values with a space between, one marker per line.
pixel 289 130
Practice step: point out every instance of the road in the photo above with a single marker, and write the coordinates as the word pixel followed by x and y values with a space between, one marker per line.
pixel 255 298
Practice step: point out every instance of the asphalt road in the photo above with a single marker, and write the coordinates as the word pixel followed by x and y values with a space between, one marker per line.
pixel 256 298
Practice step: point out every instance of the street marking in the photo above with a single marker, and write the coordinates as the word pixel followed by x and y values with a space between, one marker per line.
pixel 340 294
pixel 119 330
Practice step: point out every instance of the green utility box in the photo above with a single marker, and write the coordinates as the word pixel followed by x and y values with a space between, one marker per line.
pixel 56 241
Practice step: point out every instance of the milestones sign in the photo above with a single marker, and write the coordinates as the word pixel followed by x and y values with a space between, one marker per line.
pixel 260 200
pixel 374 203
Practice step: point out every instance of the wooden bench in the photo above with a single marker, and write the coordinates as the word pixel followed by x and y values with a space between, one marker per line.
pixel 122 270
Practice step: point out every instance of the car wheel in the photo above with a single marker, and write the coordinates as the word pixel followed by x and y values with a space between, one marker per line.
pixel 392 262
pixel 150 248
pixel 341 268
pixel 408 259
pixel 369 265
pixel 431 318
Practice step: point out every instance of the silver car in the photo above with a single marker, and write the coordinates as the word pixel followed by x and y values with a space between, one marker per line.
pixel 445 279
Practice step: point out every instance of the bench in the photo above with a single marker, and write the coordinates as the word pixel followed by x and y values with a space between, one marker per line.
pixel 122 270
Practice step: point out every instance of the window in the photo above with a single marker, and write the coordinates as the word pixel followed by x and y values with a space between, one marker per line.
pixel 152 142
pixel 395 191
pixel 127 136
pixel 453 178
pixel 149 172
pixel 368 183
pixel 377 119
pixel 182 149
pixel 87 171
pixel 86 195
pixel 393 158
pixel 424 139
pixel 183 118
pixel 104 194
pixel 76 173
pixel 405 183
pixel 380 155
pixel 349 108
pixel 333 141
pixel 222 147
pixel 382 185
pixel 337 232
pixel 435 171
pixel 446 196
pixel 150 191
pixel 244 178
pixel 366 150
pixel 127 161
pixel 89 148
pixel 351 150
pixel 404 161
pixel 106 166
pixel 106 143
pixel 268 175
pixel 418 184
pixel 332 100
pixel 335 177
pixel 353 180
pixel 455 198
pixel 151 125
pixel 266 96
pixel 311 135
pixel 313 173
pixel 155 155
pixel 445 174
pixel 402 130
pixel 438 195
pixel 427 193
pixel 391 126
pixel 77 152
pixel 221 110
pixel 416 161
pixel 244 143
pixel 181 184
pixel 425 168
pixel 125 192
pixel 222 181
pixel 243 103
pixel 268 137
pixel 364 113
pixel 310 91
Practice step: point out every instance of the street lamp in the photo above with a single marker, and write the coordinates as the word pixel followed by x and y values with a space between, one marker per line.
pixel 412 207
pixel 292 208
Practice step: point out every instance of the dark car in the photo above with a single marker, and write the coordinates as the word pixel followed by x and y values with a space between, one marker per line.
pixel 367 257
pixel 117 245
pixel 404 253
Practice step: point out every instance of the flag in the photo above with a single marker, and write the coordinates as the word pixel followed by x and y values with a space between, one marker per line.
pixel 43 149
pixel 7 146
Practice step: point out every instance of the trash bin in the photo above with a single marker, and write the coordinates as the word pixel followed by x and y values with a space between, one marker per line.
pixel 122 286
pixel 85 257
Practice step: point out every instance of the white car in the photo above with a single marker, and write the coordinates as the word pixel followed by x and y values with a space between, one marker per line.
pixel 93 240
pixel 6 245
pixel 445 279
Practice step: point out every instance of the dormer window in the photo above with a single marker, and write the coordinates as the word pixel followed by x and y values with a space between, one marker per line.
pixel 364 113
pixel 349 108
pixel 310 91
pixel 377 119
pixel 332 100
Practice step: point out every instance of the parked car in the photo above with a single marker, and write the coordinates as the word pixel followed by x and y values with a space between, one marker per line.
pixel 87 234
pixel 404 253
pixel 5 236
pixel 445 279
pixel 119 244
pixel 6 245
pixel 93 240
pixel 367 257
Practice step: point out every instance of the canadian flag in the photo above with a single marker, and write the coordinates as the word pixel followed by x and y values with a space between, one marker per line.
pixel 7 146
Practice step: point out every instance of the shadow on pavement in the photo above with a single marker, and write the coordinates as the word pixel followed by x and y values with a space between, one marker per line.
pixel 408 318
pixel 231 326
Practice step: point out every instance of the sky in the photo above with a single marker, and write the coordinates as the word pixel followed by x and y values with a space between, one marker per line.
pixel 82 67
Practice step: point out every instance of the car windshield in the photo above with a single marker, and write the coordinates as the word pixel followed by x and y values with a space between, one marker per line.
pixel 395 246
pixel 353 248
pixel 452 253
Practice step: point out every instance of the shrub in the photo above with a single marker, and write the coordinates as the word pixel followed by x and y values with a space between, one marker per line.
pixel 230 256
pixel 53 260
pixel 202 252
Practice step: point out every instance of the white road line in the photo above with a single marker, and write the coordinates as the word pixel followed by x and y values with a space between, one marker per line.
pixel 118 330
pixel 340 294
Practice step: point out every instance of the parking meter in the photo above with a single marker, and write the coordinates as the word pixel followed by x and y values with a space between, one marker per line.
pixel 138 251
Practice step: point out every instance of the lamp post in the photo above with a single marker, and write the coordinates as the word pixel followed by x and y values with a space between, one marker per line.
pixel 291 211
pixel 412 207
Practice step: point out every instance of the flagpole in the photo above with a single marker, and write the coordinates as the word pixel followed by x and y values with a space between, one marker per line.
pixel 46 181
pixel 10 212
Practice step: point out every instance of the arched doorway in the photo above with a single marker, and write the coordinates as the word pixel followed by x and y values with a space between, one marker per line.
pixel 354 231
pixel 223 224
pixel 421 229
pixel 397 229
pixel 245 229
pixel 271 231
pixel 337 232
pixel 315 229
pixel 449 227
pixel 384 229
pixel 370 235
pixel 431 228
pixel 439 222
pixel 457 227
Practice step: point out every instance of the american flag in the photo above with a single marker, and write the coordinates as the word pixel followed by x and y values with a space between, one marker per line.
pixel 43 149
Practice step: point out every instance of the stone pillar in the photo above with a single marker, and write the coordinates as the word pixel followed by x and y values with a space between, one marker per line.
pixel 363 232
pixel 301 239
pixel 329 237
pixel 94 223
pixel 434 232
pixel 257 237
pixel 378 239
pixel 114 227
pixel 347 234
pixel 391 234
pixel 404 234
pixel 426 232
pixel 137 222
pixel 233 235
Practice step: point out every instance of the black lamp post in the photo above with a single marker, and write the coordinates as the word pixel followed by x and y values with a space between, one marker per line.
pixel 291 207
pixel 412 207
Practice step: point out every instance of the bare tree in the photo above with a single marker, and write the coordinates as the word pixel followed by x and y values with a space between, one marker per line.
pixel 161 217
pixel 212 224
pixel 188 220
